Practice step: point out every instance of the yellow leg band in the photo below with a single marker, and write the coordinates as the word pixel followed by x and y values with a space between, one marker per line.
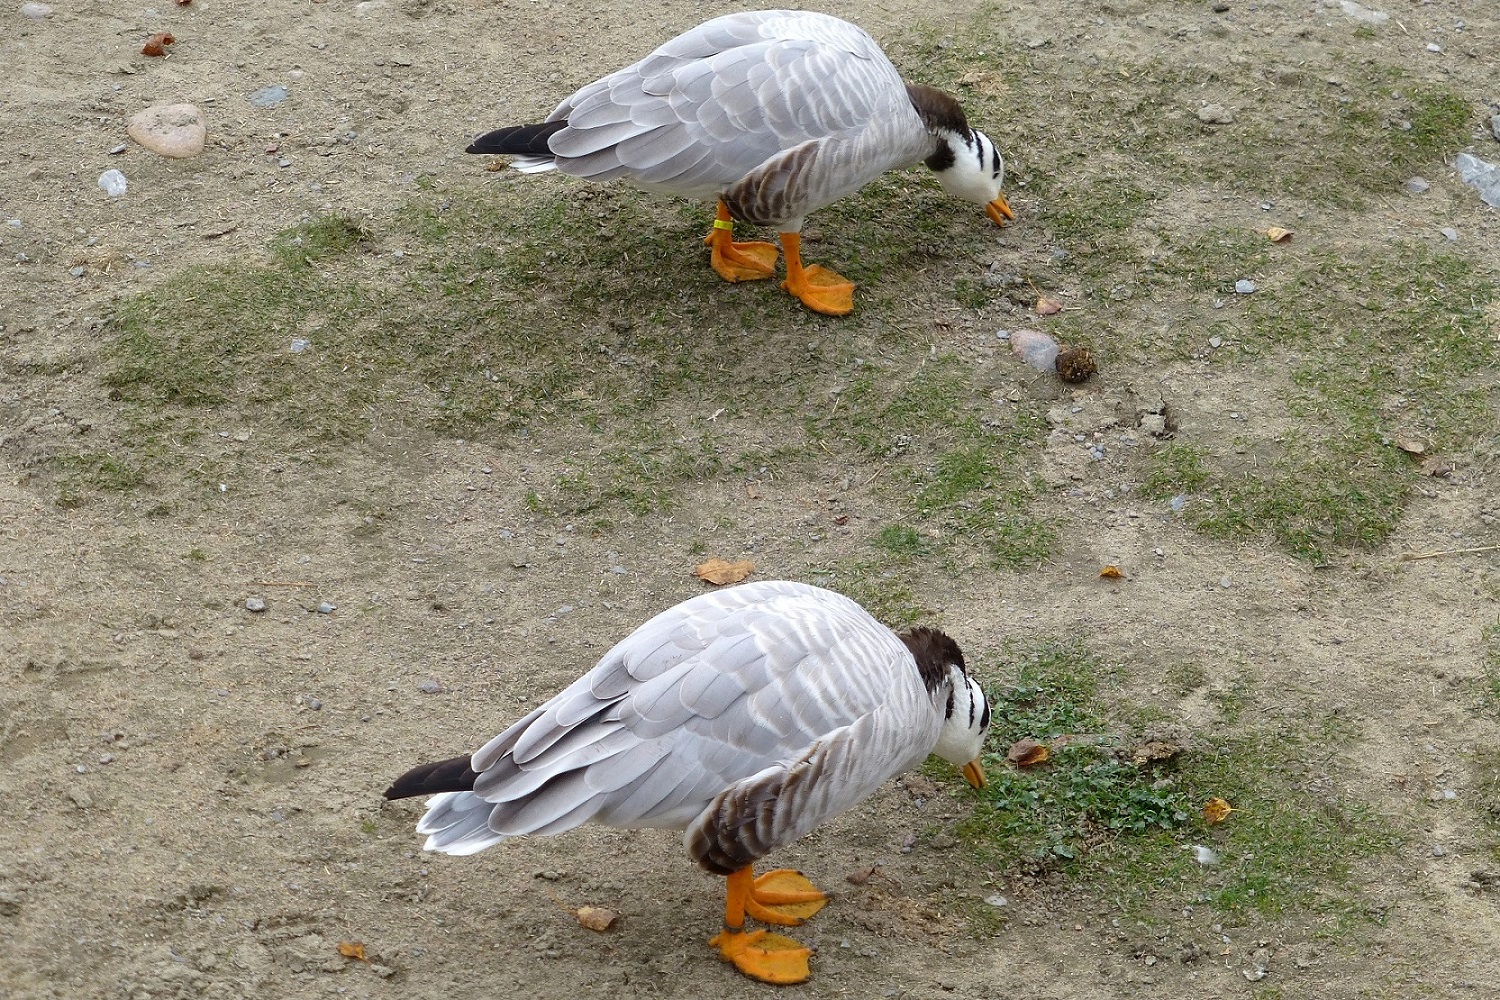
pixel 724 224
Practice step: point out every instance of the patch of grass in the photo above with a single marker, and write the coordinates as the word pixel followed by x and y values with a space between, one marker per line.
pixel 319 239
pixel 901 541
pixel 1175 468
pixel 1094 814
pixel 1185 678
pixel 97 472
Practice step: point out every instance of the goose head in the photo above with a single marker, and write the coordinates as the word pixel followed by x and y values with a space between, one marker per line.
pixel 961 739
pixel 969 166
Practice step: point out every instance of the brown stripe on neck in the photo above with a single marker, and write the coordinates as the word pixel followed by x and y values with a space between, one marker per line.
pixel 938 109
pixel 934 652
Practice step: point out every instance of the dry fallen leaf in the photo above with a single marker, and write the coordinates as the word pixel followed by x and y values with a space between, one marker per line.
pixel 717 571
pixel 1152 751
pixel 860 875
pixel 1047 307
pixel 1111 572
pixel 596 918
pixel 1026 752
pixel 157 44
pixel 1278 235
pixel 353 949
pixel 1216 811
pixel 1410 445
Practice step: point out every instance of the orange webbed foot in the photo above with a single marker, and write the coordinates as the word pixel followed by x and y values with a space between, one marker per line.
pixel 749 261
pixel 784 897
pixel 767 957
pixel 823 291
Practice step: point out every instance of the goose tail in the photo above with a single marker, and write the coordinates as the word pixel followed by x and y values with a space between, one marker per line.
pixel 528 143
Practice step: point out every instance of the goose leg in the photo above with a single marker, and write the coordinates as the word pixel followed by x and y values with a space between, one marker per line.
pixel 738 261
pixel 818 288
pixel 770 958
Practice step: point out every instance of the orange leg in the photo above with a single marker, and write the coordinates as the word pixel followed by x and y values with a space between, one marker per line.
pixel 818 288
pixel 770 958
pixel 738 261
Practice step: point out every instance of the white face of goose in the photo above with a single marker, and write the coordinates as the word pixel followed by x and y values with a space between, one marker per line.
pixel 962 738
pixel 976 174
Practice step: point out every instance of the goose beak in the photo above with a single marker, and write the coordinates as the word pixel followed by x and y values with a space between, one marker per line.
pixel 999 210
pixel 974 774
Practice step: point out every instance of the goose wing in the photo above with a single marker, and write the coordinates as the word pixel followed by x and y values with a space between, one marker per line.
pixel 711 105
pixel 733 685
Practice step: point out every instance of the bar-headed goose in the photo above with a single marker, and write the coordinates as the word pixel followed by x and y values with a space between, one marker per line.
pixel 775 113
pixel 745 718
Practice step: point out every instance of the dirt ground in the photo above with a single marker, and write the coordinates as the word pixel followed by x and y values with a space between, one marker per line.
pixel 190 792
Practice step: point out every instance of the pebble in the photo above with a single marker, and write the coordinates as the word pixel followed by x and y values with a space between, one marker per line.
pixel 1417 185
pixel 1434 47
pixel 35 11
pixel 1225 582
pixel 1451 235
pixel 1215 114
pixel 13 223
pixel 78 271
pixel 430 687
pixel 256 605
pixel 326 609
pixel 997 900
pixel 1438 851
pixel 269 97
pixel 1221 8
pixel 172 130
pixel 299 345
pixel 113 182
pixel 1216 342
pixel 1179 503
pixel 117 149
pixel 1244 286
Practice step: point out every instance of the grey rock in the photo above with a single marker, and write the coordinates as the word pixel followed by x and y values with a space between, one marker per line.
pixel 1244 287
pixel 255 605
pixel 431 687
pixel 1417 185
pixel 326 609
pixel 269 97
pixel 1215 114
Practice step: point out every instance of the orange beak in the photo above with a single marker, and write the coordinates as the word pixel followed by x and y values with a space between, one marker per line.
pixel 999 210
pixel 974 774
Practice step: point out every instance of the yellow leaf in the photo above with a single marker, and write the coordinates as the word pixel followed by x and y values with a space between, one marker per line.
pixel 1278 235
pixel 719 572
pixel 1111 572
pixel 353 949
pixel 1026 752
pixel 596 918
pixel 1216 811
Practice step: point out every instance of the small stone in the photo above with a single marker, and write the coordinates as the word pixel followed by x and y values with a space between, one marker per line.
pixel 283 163
pixel 1449 234
pixel 431 687
pixel 117 149
pixel 172 130
pixel 1221 7
pixel 13 223
pixel 113 183
pixel 1417 185
pixel 1225 582
pixel 310 703
pixel 1438 851
pixel 1434 47
pixel 996 900
pixel 1495 126
pixel 1244 286
pixel 326 609
pixel 299 345
pixel 269 97
pixel 1216 342
pixel 1215 114
pixel 255 605
pixel 78 271
pixel 35 11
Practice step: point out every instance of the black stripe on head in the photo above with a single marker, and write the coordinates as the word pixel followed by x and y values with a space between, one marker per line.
pixel 934 652
pixel 979 149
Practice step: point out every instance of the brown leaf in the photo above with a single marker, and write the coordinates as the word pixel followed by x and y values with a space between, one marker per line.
pixel 353 949
pixel 719 572
pixel 860 876
pixel 1026 753
pixel 157 44
pixel 1111 572
pixel 1410 445
pixel 1216 811
pixel 1154 750
pixel 1278 235
pixel 1047 307
pixel 596 918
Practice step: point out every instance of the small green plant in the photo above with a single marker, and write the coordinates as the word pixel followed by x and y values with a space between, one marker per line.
pixel 902 541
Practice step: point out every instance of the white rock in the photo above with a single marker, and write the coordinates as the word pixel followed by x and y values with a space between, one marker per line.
pixel 174 130
pixel 35 11
pixel 113 182
pixel 1362 13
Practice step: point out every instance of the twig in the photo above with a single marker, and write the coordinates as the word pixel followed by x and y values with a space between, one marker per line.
pixel 1409 556
pixel 281 583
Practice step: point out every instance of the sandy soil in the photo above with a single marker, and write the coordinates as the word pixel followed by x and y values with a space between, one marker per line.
pixel 189 793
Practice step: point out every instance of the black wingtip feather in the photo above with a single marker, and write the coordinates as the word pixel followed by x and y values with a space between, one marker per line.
pixel 518 140
pixel 453 775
